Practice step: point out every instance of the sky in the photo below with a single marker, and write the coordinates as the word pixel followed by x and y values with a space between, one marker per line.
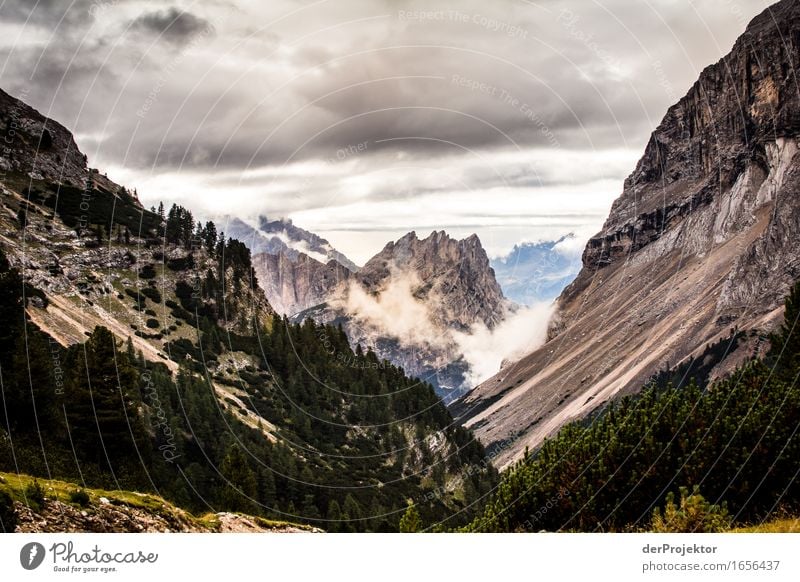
pixel 363 120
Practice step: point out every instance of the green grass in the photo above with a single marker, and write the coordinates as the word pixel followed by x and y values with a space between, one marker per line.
pixel 784 525
pixel 62 491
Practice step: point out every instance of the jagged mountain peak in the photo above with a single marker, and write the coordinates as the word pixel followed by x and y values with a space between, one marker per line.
pixel 537 272
pixel 282 236
pixel 410 302
pixel 41 149
pixel 456 269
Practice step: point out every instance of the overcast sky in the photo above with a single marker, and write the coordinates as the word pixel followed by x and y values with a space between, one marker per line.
pixel 362 120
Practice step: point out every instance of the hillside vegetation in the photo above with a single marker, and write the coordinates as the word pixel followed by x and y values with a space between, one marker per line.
pixel 735 443
pixel 145 357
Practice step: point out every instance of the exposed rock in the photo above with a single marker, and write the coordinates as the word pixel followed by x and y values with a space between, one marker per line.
pixel 43 149
pixel 408 299
pixel 37 146
pixel 294 284
pixel 455 275
pixel 115 517
pixel 85 281
pixel 702 239
pixel 282 236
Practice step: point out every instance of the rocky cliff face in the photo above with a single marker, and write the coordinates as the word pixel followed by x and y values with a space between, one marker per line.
pixel 282 236
pixel 453 274
pixel 702 239
pixel 296 283
pixel 408 302
pixel 39 148
pixel 297 269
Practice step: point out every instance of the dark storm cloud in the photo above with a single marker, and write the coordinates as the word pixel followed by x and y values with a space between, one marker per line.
pixel 44 12
pixel 173 25
pixel 282 82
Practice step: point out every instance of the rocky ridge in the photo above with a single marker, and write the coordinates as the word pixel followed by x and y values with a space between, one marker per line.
pixel 296 283
pixel 406 302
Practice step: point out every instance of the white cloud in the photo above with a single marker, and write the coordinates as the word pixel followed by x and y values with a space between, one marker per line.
pixel 248 118
pixel 485 350
pixel 395 312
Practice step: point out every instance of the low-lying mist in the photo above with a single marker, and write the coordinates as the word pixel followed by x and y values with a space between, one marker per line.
pixel 397 311
pixel 485 350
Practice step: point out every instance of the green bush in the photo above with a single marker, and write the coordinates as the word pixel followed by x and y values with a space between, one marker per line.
pixel 152 293
pixel 410 522
pixel 138 297
pixel 79 497
pixel 152 323
pixel 8 516
pixel 147 272
pixel 181 263
pixel 34 495
pixel 693 514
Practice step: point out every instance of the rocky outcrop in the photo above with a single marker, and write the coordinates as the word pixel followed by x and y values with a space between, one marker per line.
pixel 124 512
pixel 702 239
pixel 297 269
pixel 39 148
pixel 296 283
pixel 88 282
pixel 454 275
pixel 407 302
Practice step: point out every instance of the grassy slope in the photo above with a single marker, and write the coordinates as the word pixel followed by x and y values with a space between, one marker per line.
pixel 15 486
pixel 784 525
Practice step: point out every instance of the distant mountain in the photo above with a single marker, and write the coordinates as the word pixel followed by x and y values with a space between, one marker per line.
pixel 537 272
pixel 701 242
pixel 410 300
pixel 297 269
pixel 281 236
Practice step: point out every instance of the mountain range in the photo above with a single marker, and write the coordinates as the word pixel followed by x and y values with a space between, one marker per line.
pixel 409 300
pixel 413 303
pixel 261 372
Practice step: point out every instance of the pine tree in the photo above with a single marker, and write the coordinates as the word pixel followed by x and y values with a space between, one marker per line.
pixel 309 509
pixel 103 401
pixel 30 392
pixel 410 522
pixel 785 350
pixel 266 487
pixel 12 313
pixel 240 482
pixel 334 516
pixel 351 513
pixel 210 237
